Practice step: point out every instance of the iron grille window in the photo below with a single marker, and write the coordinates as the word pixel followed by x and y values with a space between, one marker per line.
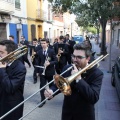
pixel 17 4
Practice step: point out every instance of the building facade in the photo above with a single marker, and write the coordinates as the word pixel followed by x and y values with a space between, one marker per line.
pixel 36 15
pixel 115 29
pixel 48 23
pixel 13 19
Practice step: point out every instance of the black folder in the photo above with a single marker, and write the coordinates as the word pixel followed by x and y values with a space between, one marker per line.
pixel 61 46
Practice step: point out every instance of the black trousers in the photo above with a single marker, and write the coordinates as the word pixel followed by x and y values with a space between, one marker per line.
pixel 59 66
pixel 43 80
pixel 69 58
pixel 35 74
pixel 25 59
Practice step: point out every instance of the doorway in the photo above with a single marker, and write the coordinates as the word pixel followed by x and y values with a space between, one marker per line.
pixel 3 32
pixel 39 31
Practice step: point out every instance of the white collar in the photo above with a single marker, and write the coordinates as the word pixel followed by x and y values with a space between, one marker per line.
pixel 45 49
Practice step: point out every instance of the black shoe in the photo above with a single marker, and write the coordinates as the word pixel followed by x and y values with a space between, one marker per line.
pixel 35 82
pixel 41 104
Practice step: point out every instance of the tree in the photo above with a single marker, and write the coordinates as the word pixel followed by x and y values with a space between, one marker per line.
pixel 89 11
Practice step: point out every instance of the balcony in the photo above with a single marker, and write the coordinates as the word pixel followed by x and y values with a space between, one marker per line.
pixel 7 6
pixel 41 15
pixel 116 7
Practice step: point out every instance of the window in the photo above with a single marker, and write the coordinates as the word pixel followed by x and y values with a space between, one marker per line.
pixel 17 4
pixel 10 1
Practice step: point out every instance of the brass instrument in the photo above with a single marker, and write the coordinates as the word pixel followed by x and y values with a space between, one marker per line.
pixel 61 47
pixel 33 55
pixel 59 54
pixel 3 116
pixel 14 55
pixel 44 69
pixel 64 83
pixel 43 73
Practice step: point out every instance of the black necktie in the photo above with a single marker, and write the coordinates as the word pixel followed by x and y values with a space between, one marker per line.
pixel 44 54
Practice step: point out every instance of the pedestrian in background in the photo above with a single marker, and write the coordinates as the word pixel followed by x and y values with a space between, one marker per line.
pixel 25 57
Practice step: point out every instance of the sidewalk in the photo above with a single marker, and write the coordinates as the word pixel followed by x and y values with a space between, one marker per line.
pixel 108 106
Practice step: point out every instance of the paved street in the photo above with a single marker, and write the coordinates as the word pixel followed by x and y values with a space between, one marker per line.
pixel 108 107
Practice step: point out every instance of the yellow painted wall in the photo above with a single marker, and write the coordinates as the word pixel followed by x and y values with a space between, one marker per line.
pixel 32 6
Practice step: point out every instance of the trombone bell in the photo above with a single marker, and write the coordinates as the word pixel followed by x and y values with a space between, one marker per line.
pixel 63 84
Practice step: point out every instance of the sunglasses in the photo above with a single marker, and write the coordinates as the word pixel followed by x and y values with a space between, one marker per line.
pixel 78 57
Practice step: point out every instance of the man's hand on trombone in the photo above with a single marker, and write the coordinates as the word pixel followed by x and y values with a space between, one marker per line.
pixel 75 70
pixel 48 93
pixel 47 63
pixel 3 65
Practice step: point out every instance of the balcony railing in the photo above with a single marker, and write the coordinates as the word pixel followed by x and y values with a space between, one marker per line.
pixel 7 6
pixel 41 15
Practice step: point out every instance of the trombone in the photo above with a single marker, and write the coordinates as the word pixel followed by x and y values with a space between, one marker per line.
pixel 32 96
pixel 59 54
pixel 63 85
pixel 33 55
pixel 44 68
pixel 14 55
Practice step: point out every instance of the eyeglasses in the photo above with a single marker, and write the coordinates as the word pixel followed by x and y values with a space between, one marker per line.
pixel 78 57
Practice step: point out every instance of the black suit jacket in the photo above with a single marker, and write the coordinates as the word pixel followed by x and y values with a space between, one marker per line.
pixel 70 46
pixel 50 70
pixel 80 104
pixel 25 43
pixel 63 58
pixel 11 89
pixel 35 48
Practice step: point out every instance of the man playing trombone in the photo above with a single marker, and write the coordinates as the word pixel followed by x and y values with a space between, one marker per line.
pixel 12 77
pixel 79 105
pixel 47 59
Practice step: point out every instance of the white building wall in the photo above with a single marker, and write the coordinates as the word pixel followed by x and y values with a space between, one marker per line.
pixel 116 34
pixel 58 27
pixel 21 13
pixel 47 25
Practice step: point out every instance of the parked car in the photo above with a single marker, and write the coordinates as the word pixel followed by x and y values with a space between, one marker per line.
pixel 78 38
pixel 115 77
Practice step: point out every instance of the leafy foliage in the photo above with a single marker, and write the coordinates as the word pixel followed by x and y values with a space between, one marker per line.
pixel 87 10
pixel 90 13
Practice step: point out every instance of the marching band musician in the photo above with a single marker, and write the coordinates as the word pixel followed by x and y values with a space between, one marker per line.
pixel 12 77
pixel 34 58
pixel 47 59
pixel 70 44
pixel 25 57
pixel 61 51
pixel 85 88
